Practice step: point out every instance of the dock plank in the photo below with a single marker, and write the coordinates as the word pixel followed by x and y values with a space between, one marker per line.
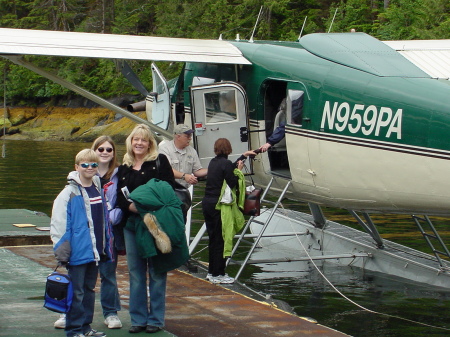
pixel 196 307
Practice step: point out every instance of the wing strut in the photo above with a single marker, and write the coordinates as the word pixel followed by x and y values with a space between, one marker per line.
pixel 157 130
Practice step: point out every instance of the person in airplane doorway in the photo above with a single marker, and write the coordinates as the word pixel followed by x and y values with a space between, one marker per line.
pixel 220 169
pixel 80 242
pixel 105 148
pixel 182 157
pixel 280 130
pixel 138 168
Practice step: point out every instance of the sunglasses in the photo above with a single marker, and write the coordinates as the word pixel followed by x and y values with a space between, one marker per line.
pixel 86 165
pixel 108 149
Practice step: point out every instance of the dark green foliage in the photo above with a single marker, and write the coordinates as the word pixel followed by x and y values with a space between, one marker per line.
pixel 205 19
pixel 415 19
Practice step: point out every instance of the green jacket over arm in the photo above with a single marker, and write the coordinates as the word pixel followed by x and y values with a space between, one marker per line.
pixel 158 198
pixel 232 218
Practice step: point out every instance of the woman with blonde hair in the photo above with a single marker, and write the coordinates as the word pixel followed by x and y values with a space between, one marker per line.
pixel 140 165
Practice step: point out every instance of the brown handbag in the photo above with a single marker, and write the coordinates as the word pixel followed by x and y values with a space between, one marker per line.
pixel 252 204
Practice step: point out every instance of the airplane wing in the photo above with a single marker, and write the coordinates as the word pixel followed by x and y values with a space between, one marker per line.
pixel 57 43
pixel 432 56
pixel 15 43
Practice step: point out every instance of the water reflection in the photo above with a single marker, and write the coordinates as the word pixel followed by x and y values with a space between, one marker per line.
pixel 33 173
pixel 302 286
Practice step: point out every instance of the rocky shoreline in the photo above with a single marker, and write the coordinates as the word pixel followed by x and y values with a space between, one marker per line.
pixel 64 124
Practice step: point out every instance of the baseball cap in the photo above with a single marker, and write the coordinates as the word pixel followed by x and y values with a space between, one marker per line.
pixel 182 128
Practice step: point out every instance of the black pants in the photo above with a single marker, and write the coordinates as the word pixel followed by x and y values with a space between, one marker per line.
pixel 214 228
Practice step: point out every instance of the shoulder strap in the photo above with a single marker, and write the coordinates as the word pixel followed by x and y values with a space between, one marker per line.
pixel 248 174
pixel 157 163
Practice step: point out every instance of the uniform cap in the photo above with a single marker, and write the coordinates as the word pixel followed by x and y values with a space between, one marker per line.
pixel 182 128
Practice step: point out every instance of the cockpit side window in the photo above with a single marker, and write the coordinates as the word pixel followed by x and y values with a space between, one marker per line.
pixel 160 85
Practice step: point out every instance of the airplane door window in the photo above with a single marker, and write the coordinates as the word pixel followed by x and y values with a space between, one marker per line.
pixel 220 106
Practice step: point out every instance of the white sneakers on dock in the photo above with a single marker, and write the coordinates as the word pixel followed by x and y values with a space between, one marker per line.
pixel 223 279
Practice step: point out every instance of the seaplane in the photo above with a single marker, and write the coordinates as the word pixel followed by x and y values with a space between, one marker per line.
pixel 366 129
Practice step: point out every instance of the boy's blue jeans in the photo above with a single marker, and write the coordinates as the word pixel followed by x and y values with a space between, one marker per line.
pixel 141 313
pixel 79 318
pixel 109 294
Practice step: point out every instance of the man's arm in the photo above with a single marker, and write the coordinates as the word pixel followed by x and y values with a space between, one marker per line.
pixel 277 135
pixel 203 172
pixel 189 178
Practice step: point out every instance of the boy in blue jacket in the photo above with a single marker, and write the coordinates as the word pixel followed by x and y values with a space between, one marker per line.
pixel 82 236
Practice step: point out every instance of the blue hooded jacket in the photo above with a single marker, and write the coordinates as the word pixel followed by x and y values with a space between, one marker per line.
pixel 72 228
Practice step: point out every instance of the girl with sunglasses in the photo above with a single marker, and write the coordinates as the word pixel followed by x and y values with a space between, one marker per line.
pixel 108 164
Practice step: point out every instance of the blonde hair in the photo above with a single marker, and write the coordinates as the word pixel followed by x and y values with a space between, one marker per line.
pixel 143 131
pixel 86 155
pixel 114 162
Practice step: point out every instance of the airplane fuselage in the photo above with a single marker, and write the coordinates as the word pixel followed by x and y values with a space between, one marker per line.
pixel 371 132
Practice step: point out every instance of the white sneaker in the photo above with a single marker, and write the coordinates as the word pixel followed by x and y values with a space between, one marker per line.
pixel 60 322
pixel 215 279
pixel 113 322
pixel 209 276
pixel 95 333
pixel 226 279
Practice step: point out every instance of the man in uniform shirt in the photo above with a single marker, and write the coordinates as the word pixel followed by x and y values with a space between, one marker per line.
pixel 182 157
pixel 185 163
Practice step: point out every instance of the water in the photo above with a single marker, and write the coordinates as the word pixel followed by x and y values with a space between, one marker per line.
pixel 33 173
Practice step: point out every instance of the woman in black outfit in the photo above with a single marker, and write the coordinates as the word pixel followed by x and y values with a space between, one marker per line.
pixel 139 166
pixel 219 169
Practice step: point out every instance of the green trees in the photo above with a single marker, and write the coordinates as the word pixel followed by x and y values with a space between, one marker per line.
pixel 206 19
pixel 415 19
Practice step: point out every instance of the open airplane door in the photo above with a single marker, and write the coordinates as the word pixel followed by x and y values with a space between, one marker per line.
pixel 158 101
pixel 219 110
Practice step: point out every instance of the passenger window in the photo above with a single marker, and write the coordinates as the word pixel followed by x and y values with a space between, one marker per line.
pixel 295 108
pixel 220 106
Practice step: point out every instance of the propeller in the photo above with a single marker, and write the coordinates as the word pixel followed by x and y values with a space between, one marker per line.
pixel 131 76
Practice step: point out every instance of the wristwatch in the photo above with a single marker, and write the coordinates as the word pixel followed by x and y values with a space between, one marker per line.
pixel 182 177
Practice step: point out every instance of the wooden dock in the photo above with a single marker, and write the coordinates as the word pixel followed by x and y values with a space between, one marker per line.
pixel 195 307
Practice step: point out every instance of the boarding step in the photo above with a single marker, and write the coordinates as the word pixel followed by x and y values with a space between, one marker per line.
pixel 270 202
pixel 430 238
pixel 264 225
pixel 258 222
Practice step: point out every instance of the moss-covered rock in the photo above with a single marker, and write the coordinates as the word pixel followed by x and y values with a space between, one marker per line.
pixel 5 122
pixel 21 115
pixel 61 123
